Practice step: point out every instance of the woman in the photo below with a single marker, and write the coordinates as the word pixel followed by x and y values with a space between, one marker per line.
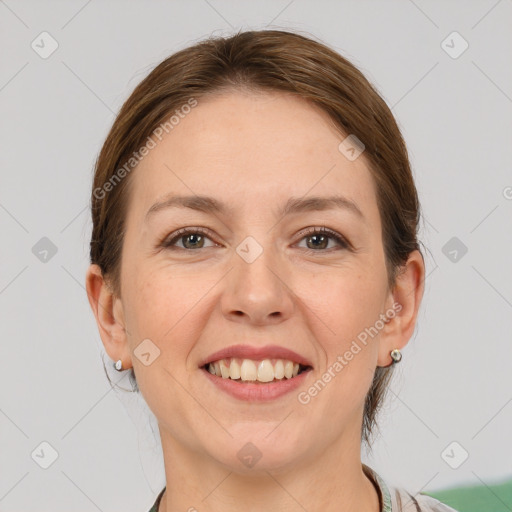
pixel 260 272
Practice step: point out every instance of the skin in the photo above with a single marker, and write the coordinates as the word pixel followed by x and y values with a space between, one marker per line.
pixel 253 152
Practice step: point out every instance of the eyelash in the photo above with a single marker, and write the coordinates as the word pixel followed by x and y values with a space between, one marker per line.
pixel 169 242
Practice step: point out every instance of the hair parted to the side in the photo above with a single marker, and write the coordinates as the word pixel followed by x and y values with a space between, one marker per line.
pixel 263 60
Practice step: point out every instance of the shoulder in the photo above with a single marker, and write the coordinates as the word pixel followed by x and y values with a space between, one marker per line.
pixel 396 499
pixel 403 501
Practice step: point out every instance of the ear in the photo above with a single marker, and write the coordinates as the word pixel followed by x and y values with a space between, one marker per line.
pixel 108 310
pixel 404 300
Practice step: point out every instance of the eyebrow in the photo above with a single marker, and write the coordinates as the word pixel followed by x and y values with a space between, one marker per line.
pixel 208 204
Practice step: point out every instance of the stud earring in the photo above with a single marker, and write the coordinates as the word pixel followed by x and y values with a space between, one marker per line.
pixel 396 355
pixel 118 365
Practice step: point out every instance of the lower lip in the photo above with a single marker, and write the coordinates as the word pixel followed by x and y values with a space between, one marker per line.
pixel 257 392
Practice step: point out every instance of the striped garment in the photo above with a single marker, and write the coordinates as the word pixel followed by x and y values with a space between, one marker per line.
pixel 391 499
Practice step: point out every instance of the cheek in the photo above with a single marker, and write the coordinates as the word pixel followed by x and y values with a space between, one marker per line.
pixel 346 303
pixel 352 305
pixel 167 306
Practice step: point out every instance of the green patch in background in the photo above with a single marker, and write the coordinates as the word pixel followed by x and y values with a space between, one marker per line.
pixel 477 498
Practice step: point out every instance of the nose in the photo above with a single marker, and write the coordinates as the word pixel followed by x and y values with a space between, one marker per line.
pixel 258 292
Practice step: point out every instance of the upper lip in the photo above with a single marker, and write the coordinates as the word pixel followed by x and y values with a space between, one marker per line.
pixel 256 353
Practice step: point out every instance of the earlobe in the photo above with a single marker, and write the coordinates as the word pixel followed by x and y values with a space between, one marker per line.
pixel 109 316
pixel 406 299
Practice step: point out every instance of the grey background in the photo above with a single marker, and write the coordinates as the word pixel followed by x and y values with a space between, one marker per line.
pixel 454 382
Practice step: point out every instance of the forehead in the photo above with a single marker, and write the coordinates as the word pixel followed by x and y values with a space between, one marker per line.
pixel 251 149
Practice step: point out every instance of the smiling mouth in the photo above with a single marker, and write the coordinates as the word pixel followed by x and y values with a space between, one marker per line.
pixel 255 372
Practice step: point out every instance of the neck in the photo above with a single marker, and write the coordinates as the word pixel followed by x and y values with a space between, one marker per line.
pixel 331 481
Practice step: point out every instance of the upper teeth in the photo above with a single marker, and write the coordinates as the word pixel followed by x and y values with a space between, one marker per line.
pixel 249 370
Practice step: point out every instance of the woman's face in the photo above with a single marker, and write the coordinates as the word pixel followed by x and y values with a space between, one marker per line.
pixel 254 154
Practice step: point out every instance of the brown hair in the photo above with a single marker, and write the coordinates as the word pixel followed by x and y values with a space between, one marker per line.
pixel 265 60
